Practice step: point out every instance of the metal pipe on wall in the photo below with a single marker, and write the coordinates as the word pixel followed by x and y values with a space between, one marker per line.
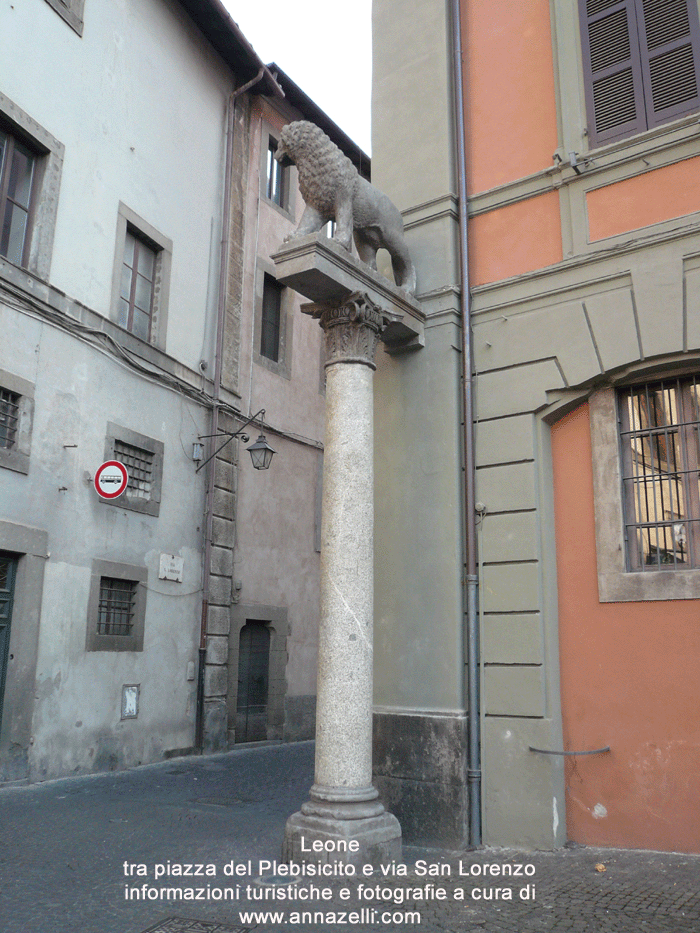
pixel 472 579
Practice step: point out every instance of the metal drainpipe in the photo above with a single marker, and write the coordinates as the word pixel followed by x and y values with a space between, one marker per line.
pixel 211 469
pixel 472 579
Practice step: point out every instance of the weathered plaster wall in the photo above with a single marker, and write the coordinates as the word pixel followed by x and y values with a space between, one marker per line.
pixel 511 115
pixel 137 110
pixel 628 680
pixel 141 132
pixel 650 198
pixel 76 722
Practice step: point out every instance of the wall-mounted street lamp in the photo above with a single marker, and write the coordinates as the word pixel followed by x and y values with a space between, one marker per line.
pixel 260 452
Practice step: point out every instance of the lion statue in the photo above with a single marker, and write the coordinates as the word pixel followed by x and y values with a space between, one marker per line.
pixel 334 190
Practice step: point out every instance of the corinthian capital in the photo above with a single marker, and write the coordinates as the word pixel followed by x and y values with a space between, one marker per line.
pixel 352 328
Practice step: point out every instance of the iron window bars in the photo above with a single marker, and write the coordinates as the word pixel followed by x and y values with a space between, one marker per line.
pixel 661 474
pixel 139 465
pixel 9 418
pixel 116 606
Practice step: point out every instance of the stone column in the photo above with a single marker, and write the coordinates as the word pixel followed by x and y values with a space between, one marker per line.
pixel 344 815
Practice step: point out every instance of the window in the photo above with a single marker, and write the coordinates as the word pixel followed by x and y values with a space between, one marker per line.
pixel 141 284
pixel 661 474
pixel 136 291
pixel 9 418
pixel 71 11
pixel 115 614
pixel 31 163
pixel 273 331
pixel 16 415
pixel 277 177
pixel 641 64
pixel 143 458
pixel 271 318
pixel 17 171
pixel 116 607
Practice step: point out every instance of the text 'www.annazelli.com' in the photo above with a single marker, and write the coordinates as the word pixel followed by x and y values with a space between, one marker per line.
pixel 365 915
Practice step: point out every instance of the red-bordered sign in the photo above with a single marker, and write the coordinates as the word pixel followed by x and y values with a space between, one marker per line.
pixel 111 479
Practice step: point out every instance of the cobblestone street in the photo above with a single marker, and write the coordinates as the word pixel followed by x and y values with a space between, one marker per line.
pixel 64 845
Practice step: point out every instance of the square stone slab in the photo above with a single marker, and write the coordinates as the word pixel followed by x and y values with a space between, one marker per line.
pixel 323 271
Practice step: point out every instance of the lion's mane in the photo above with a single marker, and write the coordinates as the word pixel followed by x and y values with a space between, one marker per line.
pixel 323 168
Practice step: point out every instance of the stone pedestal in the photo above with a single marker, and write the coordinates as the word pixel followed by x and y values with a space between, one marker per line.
pixel 343 815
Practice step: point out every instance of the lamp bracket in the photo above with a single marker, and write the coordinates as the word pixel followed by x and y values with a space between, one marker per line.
pixel 229 437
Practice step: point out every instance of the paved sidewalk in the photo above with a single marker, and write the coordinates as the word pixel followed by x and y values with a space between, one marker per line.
pixel 63 845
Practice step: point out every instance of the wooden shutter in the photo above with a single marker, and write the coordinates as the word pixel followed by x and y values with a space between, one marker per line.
pixel 612 69
pixel 669 38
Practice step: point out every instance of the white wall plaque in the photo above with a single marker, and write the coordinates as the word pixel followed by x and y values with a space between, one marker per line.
pixel 171 567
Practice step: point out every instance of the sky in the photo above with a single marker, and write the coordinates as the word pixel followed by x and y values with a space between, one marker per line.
pixel 325 46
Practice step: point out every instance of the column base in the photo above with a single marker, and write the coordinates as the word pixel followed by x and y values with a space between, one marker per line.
pixel 342 825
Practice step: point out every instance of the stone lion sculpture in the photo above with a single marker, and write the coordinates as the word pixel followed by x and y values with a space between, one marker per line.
pixel 334 190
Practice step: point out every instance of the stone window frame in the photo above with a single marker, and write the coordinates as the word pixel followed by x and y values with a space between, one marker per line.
pixel 615 582
pixel 283 365
pixel 150 506
pixel 269 135
pixel 16 458
pixel 129 220
pixel 132 573
pixel 71 11
pixel 45 188
pixel 572 117
pixel 276 619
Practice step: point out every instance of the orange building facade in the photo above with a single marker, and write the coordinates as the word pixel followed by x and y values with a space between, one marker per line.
pixel 582 150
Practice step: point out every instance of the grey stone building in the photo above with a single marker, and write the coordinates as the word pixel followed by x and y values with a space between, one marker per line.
pixel 137 214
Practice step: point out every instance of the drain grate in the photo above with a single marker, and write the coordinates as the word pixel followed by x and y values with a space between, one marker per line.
pixel 181 925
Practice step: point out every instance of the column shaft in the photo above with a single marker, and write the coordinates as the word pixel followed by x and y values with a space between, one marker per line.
pixel 344 704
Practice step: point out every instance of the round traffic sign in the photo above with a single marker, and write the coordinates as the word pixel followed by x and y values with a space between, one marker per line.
pixel 111 479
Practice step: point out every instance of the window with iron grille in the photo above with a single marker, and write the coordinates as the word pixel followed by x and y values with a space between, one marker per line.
pixel 9 418
pixel 16 419
pixel 143 458
pixel 271 319
pixel 116 608
pixel 661 474
pixel 641 62
pixel 17 174
pixel 139 465
pixel 277 177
